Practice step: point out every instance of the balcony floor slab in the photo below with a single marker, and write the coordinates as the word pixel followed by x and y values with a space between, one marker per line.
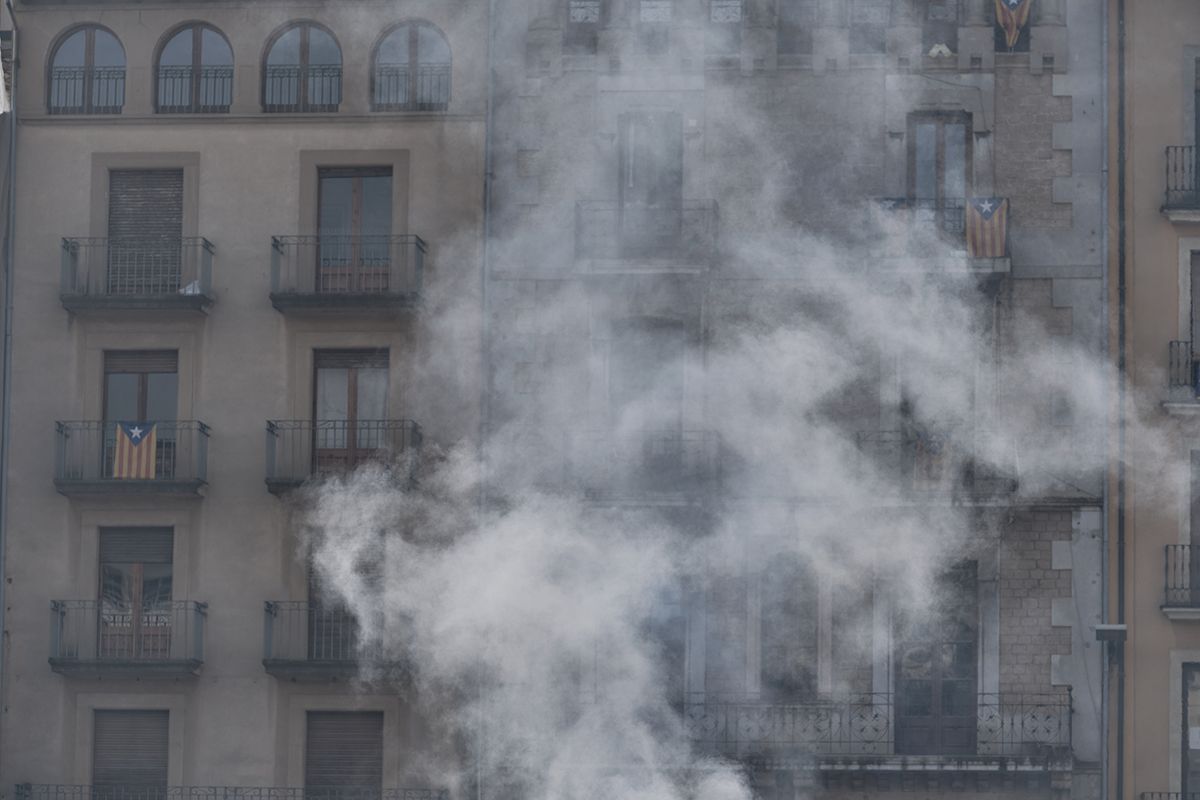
pixel 126 668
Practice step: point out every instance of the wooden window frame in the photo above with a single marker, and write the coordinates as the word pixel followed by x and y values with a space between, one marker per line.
pixel 87 104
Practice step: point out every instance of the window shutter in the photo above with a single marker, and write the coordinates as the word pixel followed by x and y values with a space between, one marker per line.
pixel 344 748
pixel 145 203
pixel 348 359
pixel 141 361
pixel 130 748
pixel 136 545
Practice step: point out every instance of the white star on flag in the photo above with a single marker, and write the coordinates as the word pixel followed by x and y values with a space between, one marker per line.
pixel 986 206
pixel 135 433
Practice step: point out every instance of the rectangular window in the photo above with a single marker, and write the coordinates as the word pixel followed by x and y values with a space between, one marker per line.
pixel 349 407
pixel 788 620
pixel 940 25
pixel 1191 730
pixel 135 593
pixel 129 748
pixel 142 386
pixel 939 168
pixel 581 31
pixel 650 183
pixel 654 25
pixel 145 231
pixel 354 225
pixel 724 34
pixel 797 19
pixel 869 23
pixel 343 749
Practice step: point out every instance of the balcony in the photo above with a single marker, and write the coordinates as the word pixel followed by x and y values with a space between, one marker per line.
pixel 295 89
pixel 87 90
pixel 1181 582
pixel 931 235
pixel 930 461
pixel 299 450
pixel 306 641
pixel 1182 198
pixel 41 791
pixel 85 460
pixel 396 88
pixel 315 275
pixel 1183 379
pixel 194 90
pixel 128 274
pixel 90 638
pixel 645 467
pixel 667 240
pixel 863 727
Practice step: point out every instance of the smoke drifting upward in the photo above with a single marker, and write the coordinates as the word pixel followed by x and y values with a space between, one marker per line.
pixel 856 432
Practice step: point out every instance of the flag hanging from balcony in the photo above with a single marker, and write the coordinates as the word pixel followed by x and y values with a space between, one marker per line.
pixel 1011 15
pixel 987 227
pixel 133 455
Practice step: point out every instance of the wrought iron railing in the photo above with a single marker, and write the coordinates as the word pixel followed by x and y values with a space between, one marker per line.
pixel 1169 796
pixel 86 90
pixel 602 231
pixel 1181 368
pixel 331 266
pixel 932 459
pixel 398 88
pixel 298 449
pixel 865 724
pixel 137 267
pixel 1181 576
pixel 304 632
pixel 188 90
pixel 644 464
pixel 40 791
pixel 296 89
pixel 946 215
pixel 1182 190
pixel 91 631
pixel 86 451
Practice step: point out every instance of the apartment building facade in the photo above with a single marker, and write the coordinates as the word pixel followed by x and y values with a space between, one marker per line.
pixel 238 224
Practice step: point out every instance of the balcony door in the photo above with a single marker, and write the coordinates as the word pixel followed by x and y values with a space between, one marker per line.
pixel 1190 779
pixel 355 229
pixel 650 188
pixel 646 374
pixel 135 618
pixel 350 407
pixel 936 669
pixel 788 630
pixel 939 169
pixel 145 230
pixel 142 386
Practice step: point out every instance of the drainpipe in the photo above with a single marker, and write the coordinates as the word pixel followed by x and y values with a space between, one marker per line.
pixel 1105 699
pixel 1122 379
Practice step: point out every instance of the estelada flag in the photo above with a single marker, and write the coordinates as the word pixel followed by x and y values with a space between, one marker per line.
pixel 1011 15
pixel 133 455
pixel 987 227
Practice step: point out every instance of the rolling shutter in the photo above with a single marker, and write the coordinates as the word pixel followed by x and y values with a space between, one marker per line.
pixel 145 203
pixel 130 748
pixel 349 359
pixel 344 748
pixel 160 361
pixel 136 545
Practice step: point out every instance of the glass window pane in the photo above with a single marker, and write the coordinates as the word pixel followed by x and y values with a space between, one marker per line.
pixel 108 51
pixel 116 586
pixel 72 50
pixel 162 397
pixel 156 587
pixel 322 49
pixel 394 49
pixel 214 50
pixel 335 216
pixel 955 185
pixel 333 393
pixel 372 393
pixel 377 205
pixel 121 396
pixel 286 50
pixel 925 178
pixel 431 47
pixel 178 51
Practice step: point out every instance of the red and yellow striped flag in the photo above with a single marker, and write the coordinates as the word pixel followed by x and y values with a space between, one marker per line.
pixel 135 450
pixel 987 227
pixel 1011 15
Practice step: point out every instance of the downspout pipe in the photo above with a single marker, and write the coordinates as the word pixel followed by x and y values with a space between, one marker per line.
pixel 1105 255
pixel 1122 390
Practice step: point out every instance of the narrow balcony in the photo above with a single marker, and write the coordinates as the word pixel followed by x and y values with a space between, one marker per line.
pixel 99 458
pixel 946 234
pixel 299 449
pixel 42 791
pixel 398 88
pixel 295 89
pixel 1182 198
pixel 1183 379
pixel 1181 582
pixel 612 238
pixel 86 90
pixel 308 641
pixel 136 274
pixel 96 639
pixel 867 729
pixel 315 275
pixel 645 467
pixel 184 89
pixel 930 461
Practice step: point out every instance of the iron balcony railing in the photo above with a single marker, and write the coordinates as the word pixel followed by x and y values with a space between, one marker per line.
pixel 84 632
pixel 299 632
pixel 1011 725
pixel 1181 576
pixel 188 90
pixel 1169 796
pixel 605 230
pixel 358 268
pixel 299 449
pixel 86 451
pixel 644 464
pixel 86 90
pixel 1181 369
pixel 136 268
pixel 398 88
pixel 929 459
pixel 38 791
pixel 946 215
pixel 296 89
pixel 1182 191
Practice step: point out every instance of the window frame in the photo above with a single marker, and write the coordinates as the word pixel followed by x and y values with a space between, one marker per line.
pixel 303 103
pixel 87 105
pixel 195 106
pixel 414 66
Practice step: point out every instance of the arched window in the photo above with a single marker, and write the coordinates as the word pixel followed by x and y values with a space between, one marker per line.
pixel 303 71
pixel 87 73
pixel 412 70
pixel 195 72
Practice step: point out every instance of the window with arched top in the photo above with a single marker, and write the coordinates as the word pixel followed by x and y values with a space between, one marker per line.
pixel 303 71
pixel 87 73
pixel 195 72
pixel 412 70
